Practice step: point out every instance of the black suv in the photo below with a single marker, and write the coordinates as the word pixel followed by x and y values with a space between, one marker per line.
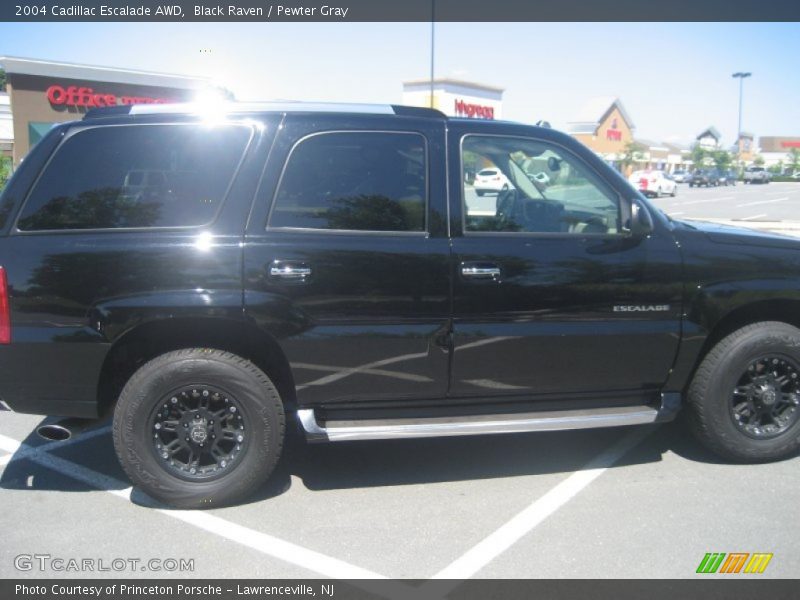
pixel 706 177
pixel 210 281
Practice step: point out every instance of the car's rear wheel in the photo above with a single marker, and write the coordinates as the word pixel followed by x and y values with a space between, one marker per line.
pixel 199 428
pixel 479 192
pixel 744 400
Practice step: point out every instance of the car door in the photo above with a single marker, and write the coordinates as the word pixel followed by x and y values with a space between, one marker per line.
pixel 347 258
pixel 551 294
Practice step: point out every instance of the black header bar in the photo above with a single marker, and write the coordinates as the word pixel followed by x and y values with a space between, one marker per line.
pixel 254 11
pixel 734 588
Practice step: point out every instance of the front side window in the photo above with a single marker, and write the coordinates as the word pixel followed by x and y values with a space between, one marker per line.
pixel 359 181
pixel 136 176
pixel 534 187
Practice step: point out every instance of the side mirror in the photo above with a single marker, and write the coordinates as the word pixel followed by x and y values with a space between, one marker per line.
pixel 639 222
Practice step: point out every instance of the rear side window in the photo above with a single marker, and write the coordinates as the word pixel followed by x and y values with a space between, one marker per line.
pixel 359 181
pixel 136 176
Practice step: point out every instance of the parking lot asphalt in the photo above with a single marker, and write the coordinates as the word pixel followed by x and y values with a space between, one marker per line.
pixel 745 203
pixel 644 502
pixel 778 201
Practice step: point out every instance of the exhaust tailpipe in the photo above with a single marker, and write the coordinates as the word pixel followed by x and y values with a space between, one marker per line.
pixel 61 431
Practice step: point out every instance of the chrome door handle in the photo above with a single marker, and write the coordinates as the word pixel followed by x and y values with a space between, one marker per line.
pixel 286 270
pixel 480 271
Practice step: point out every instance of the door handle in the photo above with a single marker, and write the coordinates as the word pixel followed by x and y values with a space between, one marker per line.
pixel 474 270
pixel 286 270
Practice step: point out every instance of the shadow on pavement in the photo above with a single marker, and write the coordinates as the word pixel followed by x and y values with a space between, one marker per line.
pixel 381 463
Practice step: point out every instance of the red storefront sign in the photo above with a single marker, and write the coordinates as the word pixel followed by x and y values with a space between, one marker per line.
pixel 464 109
pixel 612 133
pixel 85 96
pixel 792 144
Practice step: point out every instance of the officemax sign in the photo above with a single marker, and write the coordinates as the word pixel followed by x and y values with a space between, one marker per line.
pixel 87 97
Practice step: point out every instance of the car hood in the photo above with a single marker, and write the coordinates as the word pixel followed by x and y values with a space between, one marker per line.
pixel 729 234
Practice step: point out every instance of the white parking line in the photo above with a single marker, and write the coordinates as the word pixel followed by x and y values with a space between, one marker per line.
pixel 464 567
pixel 763 202
pixel 523 523
pixel 263 543
pixel 707 200
pixel 752 218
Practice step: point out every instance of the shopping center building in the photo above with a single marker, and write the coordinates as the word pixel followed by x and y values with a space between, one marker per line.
pixel 40 93
pixel 604 125
pixel 455 98
pixel 775 149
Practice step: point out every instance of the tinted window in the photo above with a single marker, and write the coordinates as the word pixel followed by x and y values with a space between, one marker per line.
pixel 551 191
pixel 136 176
pixel 366 181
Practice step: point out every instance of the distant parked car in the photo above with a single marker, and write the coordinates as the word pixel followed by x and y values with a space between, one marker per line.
pixel 680 176
pixel 490 181
pixel 756 175
pixel 653 183
pixel 726 177
pixel 706 177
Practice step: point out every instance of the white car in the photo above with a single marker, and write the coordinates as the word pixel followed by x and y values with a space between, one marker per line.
pixel 680 176
pixel 490 181
pixel 653 183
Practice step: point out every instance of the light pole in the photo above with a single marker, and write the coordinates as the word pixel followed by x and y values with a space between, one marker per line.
pixel 741 77
pixel 433 41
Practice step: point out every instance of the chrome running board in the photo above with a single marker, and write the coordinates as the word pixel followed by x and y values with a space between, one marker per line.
pixel 384 429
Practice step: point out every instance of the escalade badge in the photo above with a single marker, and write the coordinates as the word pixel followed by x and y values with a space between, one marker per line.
pixel 641 308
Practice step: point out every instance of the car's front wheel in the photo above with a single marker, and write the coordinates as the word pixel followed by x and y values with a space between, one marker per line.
pixel 199 428
pixel 744 400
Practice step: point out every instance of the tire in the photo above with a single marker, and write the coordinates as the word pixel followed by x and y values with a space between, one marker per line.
pixel 480 193
pixel 674 191
pixel 717 387
pixel 250 426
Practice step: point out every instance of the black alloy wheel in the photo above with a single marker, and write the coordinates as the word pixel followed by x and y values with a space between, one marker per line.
pixel 764 403
pixel 199 432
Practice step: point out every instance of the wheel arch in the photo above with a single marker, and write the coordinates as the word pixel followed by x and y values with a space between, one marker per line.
pixel 776 309
pixel 153 338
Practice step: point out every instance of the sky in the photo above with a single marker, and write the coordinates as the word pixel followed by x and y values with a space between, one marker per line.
pixel 674 79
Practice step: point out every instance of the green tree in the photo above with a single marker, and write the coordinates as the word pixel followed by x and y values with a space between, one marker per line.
pixel 793 160
pixel 2 80
pixel 759 161
pixel 700 156
pixel 631 154
pixel 5 171
pixel 722 159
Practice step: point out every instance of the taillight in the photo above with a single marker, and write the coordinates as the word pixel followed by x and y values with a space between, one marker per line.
pixel 643 183
pixel 5 315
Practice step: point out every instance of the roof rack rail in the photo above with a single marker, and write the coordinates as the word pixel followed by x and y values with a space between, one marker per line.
pixel 241 107
pixel 107 111
pixel 417 111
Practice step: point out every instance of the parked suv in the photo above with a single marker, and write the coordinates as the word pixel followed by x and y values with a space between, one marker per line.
pixel 757 175
pixel 706 177
pixel 212 283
